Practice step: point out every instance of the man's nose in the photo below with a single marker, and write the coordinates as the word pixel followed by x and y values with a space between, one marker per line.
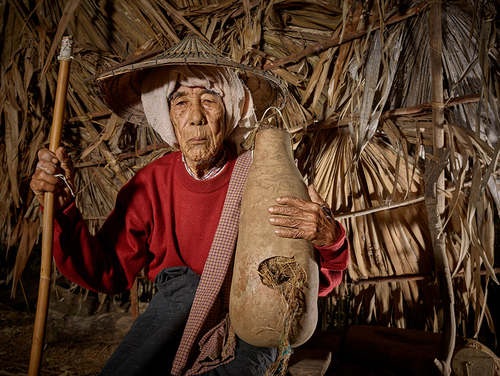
pixel 197 117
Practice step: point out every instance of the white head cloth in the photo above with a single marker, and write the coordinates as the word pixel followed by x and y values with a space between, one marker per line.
pixel 161 82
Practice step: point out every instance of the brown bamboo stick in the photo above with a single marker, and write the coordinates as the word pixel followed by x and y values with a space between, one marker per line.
pixel 392 205
pixel 90 116
pixel 344 38
pixel 414 110
pixel 108 155
pixel 409 277
pixel 471 98
pixel 48 214
pixel 141 57
pixel 119 157
pixel 434 197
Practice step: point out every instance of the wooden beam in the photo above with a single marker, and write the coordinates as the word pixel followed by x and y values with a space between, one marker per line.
pixel 344 38
pixel 434 185
pixel 408 277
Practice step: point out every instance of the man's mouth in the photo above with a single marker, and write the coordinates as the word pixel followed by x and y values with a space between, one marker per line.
pixel 197 140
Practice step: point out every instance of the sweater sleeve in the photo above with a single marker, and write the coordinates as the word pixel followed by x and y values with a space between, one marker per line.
pixel 109 261
pixel 333 260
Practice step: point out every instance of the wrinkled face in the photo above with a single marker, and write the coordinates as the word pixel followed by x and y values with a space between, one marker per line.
pixel 197 115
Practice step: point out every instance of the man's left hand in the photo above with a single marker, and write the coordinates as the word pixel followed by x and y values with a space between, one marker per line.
pixel 300 219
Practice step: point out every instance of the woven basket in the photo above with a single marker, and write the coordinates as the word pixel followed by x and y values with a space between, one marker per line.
pixel 120 88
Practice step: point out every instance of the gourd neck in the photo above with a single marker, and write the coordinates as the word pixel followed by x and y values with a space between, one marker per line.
pixel 273 143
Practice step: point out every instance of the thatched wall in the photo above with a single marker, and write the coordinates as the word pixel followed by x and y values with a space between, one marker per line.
pixel 362 110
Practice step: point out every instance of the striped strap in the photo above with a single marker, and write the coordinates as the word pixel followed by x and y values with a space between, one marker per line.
pixel 217 263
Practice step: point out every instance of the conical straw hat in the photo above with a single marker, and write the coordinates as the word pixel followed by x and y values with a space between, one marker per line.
pixel 120 88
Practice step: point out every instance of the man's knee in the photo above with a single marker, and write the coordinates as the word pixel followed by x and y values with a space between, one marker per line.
pixel 248 361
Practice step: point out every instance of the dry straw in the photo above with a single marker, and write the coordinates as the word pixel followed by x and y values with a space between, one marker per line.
pixel 288 278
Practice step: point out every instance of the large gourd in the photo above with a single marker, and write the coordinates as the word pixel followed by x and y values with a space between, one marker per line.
pixel 261 312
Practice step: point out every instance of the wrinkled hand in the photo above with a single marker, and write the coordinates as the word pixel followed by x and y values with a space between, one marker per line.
pixel 43 180
pixel 302 219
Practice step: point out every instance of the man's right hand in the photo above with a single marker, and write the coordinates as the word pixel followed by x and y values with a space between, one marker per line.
pixel 43 180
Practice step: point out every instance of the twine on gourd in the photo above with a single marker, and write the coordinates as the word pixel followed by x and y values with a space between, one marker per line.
pixel 249 143
pixel 287 277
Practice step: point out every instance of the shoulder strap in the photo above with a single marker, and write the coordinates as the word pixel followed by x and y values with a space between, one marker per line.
pixel 217 264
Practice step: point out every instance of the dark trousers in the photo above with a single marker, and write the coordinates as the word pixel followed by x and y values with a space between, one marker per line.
pixel 150 345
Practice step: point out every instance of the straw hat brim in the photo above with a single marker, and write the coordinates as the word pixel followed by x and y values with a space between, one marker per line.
pixel 120 88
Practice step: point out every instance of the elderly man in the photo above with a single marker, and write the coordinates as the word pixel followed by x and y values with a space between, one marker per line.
pixel 164 222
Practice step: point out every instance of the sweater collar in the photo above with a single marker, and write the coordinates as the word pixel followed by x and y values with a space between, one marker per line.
pixel 213 172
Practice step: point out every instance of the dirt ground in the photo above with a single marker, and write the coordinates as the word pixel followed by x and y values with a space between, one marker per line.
pixel 76 342
pixel 82 333
pixel 80 345
pixel 63 356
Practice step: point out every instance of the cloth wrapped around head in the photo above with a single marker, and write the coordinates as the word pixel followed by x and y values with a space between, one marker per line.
pixel 161 82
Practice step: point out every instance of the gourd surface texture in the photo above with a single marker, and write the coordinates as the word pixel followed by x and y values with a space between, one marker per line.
pixel 275 280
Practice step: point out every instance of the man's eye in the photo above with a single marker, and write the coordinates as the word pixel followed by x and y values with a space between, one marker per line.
pixel 210 100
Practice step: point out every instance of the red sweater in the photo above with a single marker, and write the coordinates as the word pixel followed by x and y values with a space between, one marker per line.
pixel 162 218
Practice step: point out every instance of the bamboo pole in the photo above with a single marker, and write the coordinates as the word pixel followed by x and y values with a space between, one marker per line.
pixel 343 38
pixel 141 57
pixel 409 277
pixel 314 125
pixel 434 185
pixel 394 204
pixel 48 214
